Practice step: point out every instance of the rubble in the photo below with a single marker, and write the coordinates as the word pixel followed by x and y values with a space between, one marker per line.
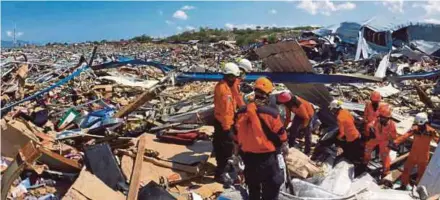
pixel 128 122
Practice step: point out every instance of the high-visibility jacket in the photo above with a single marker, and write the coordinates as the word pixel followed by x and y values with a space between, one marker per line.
pixel 346 126
pixel 419 154
pixel 237 94
pixel 304 111
pixel 421 142
pixel 224 105
pixel 250 134
pixel 383 135
pixel 370 115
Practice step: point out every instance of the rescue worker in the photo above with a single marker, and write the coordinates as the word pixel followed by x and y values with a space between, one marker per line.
pixel 224 111
pixel 383 130
pixel 371 111
pixel 419 154
pixel 260 136
pixel 304 113
pixel 245 66
pixel 348 136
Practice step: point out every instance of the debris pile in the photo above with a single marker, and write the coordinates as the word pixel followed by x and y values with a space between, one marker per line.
pixel 134 121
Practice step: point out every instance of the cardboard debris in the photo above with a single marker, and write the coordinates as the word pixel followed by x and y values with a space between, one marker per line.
pixel 88 186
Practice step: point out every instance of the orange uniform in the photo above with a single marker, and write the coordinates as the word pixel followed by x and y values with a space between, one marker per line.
pixel 304 111
pixel 383 135
pixel 237 94
pixel 419 154
pixel 251 134
pixel 370 115
pixel 224 105
pixel 346 126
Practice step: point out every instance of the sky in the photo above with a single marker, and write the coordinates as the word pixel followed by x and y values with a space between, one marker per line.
pixel 89 21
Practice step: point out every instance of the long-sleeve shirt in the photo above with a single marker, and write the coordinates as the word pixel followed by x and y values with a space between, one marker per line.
pixel 346 126
pixel 224 105
pixel 304 111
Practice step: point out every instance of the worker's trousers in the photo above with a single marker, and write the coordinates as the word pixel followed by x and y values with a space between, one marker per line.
pixel 223 148
pixel 384 151
pixel 411 162
pixel 297 132
pixel 263 175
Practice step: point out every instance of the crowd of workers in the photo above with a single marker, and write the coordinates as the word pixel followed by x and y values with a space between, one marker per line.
pixel 255 131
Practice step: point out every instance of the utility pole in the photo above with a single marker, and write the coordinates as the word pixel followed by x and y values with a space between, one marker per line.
pixel 14 40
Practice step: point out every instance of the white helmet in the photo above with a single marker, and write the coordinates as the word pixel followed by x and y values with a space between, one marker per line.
pixel 245 64
pixel 335 104
pixel 421 118
pixel 231 68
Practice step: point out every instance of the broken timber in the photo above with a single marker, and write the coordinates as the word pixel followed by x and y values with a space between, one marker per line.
pixel 137 170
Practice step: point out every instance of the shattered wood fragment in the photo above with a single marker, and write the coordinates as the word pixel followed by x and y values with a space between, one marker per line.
pixel 137 170
pixel 28 154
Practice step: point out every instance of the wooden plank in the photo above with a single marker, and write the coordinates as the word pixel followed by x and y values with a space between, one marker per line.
pixel 28 154
pixel 146 96
pixel 137 169
pixel 58 162
pixel 400 158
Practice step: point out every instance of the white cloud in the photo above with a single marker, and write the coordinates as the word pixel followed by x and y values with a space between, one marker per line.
pixel 431 7
pixel 395 6
pixel 325 7
pixel 273 11
pixel 431 20
pixel 179 28
pixel 229 26
pixel 160 12
pixel 11 34
pixel 179 14
pixel 190 28
pixel 169 22
pixel 186 7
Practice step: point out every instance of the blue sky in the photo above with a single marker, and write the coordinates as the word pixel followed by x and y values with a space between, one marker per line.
pixel 82 21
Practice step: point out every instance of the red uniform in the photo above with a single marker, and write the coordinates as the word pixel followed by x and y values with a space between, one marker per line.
pixel 370 115
pixel 250 135
pixel 224 105
pixel 419 154
pixel 346 126
pixel 237 94
pixel 304 111
pixel 383 134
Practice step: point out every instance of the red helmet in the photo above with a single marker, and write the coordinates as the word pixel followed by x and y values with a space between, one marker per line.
pixel 284 97
pixel 385 111
pixel 375 96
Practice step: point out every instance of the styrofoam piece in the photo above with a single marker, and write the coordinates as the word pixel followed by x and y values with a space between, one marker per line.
pixel 339 180
pixel 305 189
pixel 365 180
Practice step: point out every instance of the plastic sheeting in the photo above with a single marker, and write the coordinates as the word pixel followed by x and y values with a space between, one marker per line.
pixel 383 66
pixel 347 31
pixel 385 195
pixel 305 189
pixel 364 181
pixel 339 180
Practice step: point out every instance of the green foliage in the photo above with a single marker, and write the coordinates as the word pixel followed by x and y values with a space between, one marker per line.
pixel 242 36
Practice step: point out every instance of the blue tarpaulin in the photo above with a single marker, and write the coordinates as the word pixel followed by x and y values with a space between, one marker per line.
pixel 346 31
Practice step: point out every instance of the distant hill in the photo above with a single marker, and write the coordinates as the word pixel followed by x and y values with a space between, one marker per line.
pixel 10 44
pixel 242 36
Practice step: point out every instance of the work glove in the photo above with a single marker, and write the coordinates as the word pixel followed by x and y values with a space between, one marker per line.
pixel 246 88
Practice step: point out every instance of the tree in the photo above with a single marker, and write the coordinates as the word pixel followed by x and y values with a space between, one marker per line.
pixel 258 27
pixel 103 41
pixel 272 38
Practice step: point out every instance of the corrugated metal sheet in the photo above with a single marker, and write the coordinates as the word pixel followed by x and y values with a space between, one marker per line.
pixel 290 57
pixel 285 57
pixel 380 24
